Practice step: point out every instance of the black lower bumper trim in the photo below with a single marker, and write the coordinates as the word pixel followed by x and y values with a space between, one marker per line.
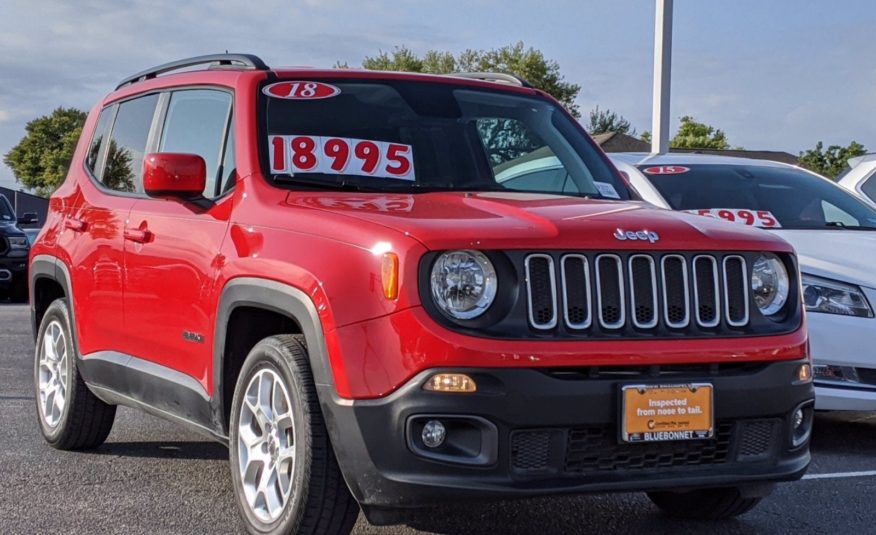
pixel 560 436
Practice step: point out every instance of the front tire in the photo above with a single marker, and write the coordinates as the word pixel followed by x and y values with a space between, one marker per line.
pixel 283 468
pixel 70 416
pixel 705 504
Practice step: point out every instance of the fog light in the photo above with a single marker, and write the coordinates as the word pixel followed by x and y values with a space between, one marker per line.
pixel 434 434
pixel 804 373
pixel 450 382
pixel 798 418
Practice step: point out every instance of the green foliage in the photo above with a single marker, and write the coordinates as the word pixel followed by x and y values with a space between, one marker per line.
pixel 528 63
pixel 830 162
pixel 602 121
pixel 41 159
pixel 694 135
pixel 646 136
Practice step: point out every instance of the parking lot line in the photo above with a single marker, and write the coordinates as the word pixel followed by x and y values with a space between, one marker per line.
pixel 841 475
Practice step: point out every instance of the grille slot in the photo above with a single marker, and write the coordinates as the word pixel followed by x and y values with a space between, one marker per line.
pixel 706 291
pixel 596 449
pixel 541 291
pixel 575 278
pixel 610 291
pixel 735 291
pixel 530 450
pixel 4 245
pixel 643 291
pixel 676 292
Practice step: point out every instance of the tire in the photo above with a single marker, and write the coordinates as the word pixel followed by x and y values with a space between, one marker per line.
pixel 705 504
pixel 82 421
pixel 317 499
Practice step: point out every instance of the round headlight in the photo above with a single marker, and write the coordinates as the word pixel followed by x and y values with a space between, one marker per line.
pixel 463 284
pixel 769 284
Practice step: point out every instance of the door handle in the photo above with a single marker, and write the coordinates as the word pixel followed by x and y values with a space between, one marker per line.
pixel 137 235
pixel 76 225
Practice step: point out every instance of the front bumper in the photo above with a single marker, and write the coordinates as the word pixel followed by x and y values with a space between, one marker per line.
pixel 844 341
pixel 541 433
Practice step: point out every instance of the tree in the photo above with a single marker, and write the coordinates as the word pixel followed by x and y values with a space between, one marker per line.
pixel 528 63
pixel 602 121
pixel 830 162
pixel 42 157
pixel 694 135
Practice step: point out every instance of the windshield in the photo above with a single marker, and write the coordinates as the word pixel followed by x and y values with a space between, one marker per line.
pixel 6 213
pixel 794 198
pixel 375 135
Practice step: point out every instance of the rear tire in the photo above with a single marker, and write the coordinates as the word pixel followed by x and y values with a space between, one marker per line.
pixel 283 468
pixel 705 504
pixel 69 415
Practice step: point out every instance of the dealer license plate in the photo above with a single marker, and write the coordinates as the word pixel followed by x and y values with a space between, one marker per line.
pixel 659 413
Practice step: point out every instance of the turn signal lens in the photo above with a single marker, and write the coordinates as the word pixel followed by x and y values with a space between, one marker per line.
pixel 804 373
pixel 389 275
pixel 450 382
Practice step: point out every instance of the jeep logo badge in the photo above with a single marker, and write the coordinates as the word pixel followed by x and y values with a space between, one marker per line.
pixel 643 235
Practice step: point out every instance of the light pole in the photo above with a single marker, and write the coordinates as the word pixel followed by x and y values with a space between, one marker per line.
pixel 662 77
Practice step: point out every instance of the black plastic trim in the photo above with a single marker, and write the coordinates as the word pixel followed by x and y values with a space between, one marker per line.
pixel 246 61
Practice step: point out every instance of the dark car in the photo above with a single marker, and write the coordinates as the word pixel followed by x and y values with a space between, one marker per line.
pixel 14 249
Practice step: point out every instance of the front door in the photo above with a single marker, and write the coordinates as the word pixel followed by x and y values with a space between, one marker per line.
pixel 173 250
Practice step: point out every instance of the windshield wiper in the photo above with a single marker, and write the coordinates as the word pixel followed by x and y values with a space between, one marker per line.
pixel 320 183
pixel 842 226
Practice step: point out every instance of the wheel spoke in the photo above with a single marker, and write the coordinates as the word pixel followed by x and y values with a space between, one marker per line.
pixel 52 373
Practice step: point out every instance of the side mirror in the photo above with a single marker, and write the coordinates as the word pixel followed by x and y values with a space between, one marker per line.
pixel 28 218
pixel 174 175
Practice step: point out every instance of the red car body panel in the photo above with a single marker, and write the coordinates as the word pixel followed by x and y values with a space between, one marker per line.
pixel 136 297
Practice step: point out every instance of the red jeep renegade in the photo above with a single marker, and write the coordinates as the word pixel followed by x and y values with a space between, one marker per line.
pixel 369 288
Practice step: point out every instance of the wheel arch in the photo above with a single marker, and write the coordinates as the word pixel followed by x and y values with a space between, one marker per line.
pixel 276 298
pixel 49 280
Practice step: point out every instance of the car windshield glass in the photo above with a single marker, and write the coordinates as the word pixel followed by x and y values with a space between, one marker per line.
pixel 797 199
pixel 6 213
pixel 401 135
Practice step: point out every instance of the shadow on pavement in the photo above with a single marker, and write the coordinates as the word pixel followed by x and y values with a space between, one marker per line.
pixel 578 515
pixel 208 451
pixel 844 432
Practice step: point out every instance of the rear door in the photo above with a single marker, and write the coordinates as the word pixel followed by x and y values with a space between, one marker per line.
pixel 171 263
pixel 94 221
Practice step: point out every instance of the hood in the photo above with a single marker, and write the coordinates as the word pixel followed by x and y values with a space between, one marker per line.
pixel 10 228
pixel 842 255
pixel 491 220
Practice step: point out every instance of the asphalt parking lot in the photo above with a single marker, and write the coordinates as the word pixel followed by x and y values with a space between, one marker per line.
pixel 154 477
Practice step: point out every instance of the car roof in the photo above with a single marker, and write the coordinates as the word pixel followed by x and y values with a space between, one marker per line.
pixel 687 158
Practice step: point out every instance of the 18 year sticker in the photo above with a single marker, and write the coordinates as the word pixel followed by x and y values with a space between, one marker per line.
pixel 301 90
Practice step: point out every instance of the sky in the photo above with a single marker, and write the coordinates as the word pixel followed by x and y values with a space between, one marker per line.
pixel 774 75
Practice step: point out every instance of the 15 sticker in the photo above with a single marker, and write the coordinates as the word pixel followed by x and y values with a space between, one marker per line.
pixel 340 156
pixel 754 218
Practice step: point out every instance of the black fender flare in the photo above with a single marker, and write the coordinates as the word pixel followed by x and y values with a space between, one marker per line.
pixel 276 297
pixel 49 267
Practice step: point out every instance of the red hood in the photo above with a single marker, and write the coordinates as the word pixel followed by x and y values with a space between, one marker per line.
pixel 536 221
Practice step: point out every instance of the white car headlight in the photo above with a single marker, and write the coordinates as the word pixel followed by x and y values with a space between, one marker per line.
pixel 463 284
pixel 831 297
pixel 769 284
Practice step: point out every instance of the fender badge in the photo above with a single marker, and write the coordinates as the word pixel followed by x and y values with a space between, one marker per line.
pixel 633 235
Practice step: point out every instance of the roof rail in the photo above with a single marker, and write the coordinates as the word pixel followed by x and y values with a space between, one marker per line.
pixel 858 160
pixel 498 77
pixel 247 61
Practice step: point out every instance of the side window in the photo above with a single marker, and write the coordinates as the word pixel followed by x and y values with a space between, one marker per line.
pixel 195 124
pixel 869 187
pixel 95 149
pixel 127 145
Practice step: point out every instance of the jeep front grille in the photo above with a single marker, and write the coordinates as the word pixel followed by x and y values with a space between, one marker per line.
pixel 643 291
